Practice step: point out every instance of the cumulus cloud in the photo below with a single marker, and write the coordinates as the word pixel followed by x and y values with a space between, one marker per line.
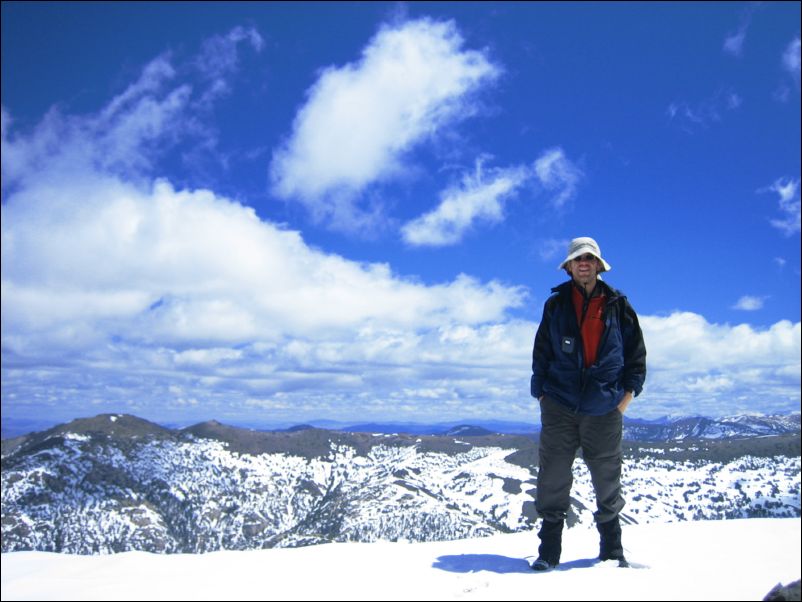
pixel 122 291
pixel 712 369
pixel 144 290
pixel 139 298
pixel 189 266
pixel 480 197
pixel 685 341
pixel 360 119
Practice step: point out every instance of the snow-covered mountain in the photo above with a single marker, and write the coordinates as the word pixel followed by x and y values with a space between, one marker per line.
pixel 115 483
pixel 666 428
pixel 700 560
pixel 700 427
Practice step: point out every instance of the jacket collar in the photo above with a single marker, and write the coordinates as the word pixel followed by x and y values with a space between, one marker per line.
pixel 564 290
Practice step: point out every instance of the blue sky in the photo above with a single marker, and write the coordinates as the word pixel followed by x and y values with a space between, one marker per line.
pixel 279 212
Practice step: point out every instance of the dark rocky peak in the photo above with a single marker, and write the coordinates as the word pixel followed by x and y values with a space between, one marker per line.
pixel 308 442
pixel 467 430
pixel 298 427
pixel 123 430
pixel 114 426
pixel 117 425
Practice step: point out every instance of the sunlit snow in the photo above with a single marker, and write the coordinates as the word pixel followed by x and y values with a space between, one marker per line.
pixel 699 560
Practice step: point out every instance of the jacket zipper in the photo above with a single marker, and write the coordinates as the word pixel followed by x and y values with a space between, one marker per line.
pixel 607 307
pixel 583 381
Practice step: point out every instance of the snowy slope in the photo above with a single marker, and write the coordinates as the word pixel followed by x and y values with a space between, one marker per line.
pixel 700 560
pixel 118 483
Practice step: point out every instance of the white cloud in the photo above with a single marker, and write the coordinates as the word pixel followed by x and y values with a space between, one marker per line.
pixel 790 63
pixel 558 174
pixel 552 248
pixel 185 266
pixel 360 119
pixel 122 292
pixel 126 291
pixel 734 100
pixel 480 197
pixel 791 60
pixel 153 78
pixel 750 303
pixel 130 133
pixel 733 43
pixel 702 114
pixel 686 342
pixel 709 384
pixel 220 55
pixel 698 367
pixel 789 203
pixel 206 357
pixel 184 300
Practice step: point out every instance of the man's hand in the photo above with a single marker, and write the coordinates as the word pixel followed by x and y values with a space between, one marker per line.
pixel 622 407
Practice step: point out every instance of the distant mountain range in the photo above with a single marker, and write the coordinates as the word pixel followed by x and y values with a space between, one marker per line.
pixel 700 427
pixel 660 429
pixel 116 482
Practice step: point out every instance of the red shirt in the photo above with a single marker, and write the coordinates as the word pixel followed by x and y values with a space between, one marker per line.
pixel 591 325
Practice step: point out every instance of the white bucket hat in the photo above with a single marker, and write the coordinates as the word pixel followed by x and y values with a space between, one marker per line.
pixel 582 245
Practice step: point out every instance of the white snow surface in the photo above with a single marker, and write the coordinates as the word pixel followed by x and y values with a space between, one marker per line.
pixel 695 560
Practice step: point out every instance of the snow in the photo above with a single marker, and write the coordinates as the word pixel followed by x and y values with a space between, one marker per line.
pixel 700 560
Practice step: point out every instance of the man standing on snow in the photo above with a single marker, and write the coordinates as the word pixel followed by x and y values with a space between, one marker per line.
pixel 588 362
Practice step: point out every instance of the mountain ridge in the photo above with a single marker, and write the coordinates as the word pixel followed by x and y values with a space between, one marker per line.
pixel 665 428
pixel 115 482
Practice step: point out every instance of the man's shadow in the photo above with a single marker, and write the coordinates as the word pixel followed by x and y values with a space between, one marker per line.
pixel 469 563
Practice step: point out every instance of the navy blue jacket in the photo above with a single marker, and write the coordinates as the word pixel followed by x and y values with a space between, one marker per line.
pixel 558 365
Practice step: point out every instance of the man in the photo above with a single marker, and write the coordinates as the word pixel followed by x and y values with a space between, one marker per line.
pixel 588 362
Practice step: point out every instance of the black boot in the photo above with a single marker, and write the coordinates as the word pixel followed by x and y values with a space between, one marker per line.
pixel 551 537
pixel 610 547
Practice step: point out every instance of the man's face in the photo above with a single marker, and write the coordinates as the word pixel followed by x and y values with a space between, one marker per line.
pixel 584 268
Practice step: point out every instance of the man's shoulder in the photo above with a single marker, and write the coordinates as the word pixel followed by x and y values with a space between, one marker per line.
pixel 558 292
pixel 613 294
pixel 562 288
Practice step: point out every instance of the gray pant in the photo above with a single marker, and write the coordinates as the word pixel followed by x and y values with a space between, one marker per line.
pixel 562 433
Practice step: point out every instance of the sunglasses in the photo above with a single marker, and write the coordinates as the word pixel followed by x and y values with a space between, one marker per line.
pixel 585 257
